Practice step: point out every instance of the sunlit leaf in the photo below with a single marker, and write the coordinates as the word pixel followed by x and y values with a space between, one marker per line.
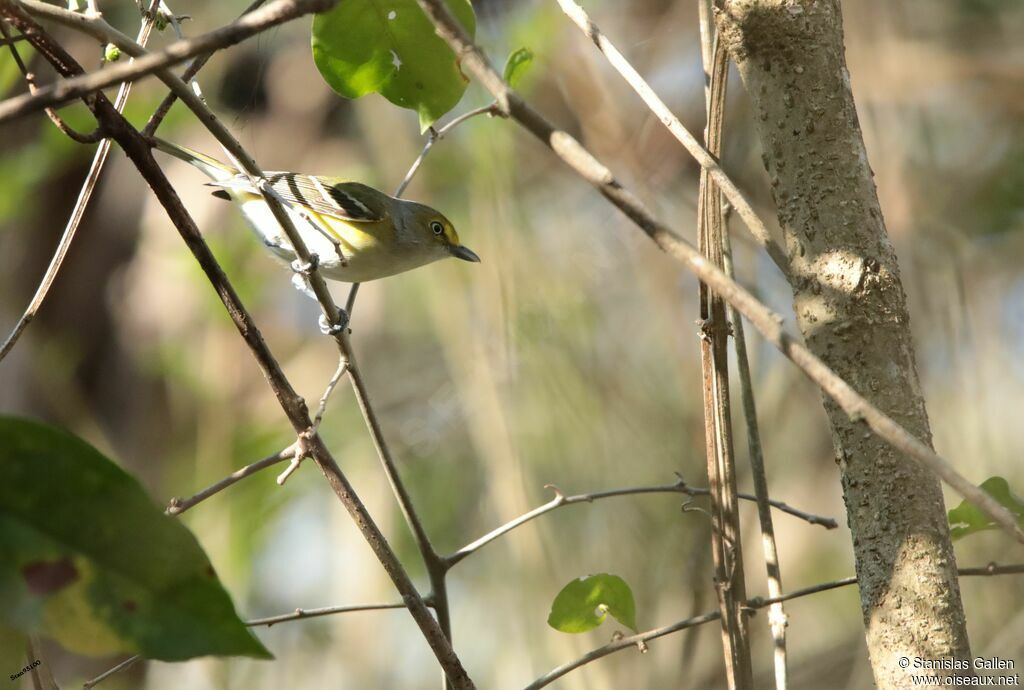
pixel 966 518
pixel 584 603
pixel 390 47
pixel 88 559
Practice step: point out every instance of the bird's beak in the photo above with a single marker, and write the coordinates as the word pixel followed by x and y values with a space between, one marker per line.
pixel 465 253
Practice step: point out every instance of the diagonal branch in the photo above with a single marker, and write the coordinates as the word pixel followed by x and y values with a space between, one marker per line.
pixel 767 322
pixel 138 150
pixel 708 161
pixel 177 506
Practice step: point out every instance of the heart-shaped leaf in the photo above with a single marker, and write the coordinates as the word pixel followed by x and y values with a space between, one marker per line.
pixel 584 603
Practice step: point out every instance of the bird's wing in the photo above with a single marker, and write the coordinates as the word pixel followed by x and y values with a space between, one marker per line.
pixel 349 201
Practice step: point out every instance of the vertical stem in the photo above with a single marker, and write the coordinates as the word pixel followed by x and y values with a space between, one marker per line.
pixel 725 539
pixel 776 614
pixel 716 65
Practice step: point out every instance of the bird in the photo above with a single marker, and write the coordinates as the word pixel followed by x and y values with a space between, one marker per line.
pixel 355 232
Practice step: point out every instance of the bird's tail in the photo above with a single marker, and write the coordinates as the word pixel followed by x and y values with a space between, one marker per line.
pixel 213 168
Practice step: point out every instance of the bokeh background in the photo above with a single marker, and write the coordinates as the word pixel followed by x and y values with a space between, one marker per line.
pixel 569 356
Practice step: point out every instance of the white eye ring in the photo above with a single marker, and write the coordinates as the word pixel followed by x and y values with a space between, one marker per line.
pixel 437 228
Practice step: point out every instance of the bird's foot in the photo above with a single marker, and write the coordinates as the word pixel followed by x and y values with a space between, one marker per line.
pixel 334 329
pixel 307 267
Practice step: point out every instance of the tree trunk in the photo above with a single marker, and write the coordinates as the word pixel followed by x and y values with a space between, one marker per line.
pixel 852 311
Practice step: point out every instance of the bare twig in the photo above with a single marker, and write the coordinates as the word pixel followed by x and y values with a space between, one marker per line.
pixel 560 500
pixel 275 13
pixel 338 373
pixel 639 640
pixel 767 322
pixel 435 135
pixel 299 614
pixel 124 665
pixel 177 506
pixel 708 161
pixel 78 212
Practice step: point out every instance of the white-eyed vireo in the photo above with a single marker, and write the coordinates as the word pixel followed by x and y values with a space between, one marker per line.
pixel 361 233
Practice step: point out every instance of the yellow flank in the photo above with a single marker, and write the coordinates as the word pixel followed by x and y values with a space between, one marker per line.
pixel 351 237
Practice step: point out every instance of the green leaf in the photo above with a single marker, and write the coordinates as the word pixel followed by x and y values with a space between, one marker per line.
pixel 967 519
pixel 584 603
pixel 88 559
pixel 390 47
pixel 517 65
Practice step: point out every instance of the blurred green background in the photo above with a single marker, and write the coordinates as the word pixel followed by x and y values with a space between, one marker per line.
pixel 569 356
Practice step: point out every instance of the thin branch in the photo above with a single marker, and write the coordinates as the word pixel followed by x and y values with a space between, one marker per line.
pixel 127 663
pixel 299 614
pixel 67 90
pixel 706 160
pixel 138 150
pixel 640 640
pixel 78 212
pixel 177 506
pixel 190 72
pixel 767 322
pixel 560 500
pixel 435 135
pixel 992 569
pixel 343 364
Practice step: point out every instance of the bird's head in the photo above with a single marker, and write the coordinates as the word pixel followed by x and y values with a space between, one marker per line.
pixel 436 231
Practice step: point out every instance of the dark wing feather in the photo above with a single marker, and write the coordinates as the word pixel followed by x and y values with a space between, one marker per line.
pixel 347 200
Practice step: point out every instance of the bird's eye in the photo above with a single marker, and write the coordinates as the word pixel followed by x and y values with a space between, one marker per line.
pixel 437 228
